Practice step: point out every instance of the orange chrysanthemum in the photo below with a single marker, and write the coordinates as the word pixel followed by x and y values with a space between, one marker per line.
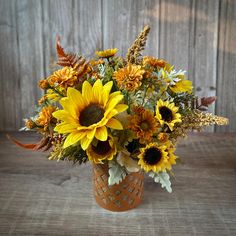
pixel 46 118
pixel 66 77
pixel 154 62
pixel 144 125
pixel 129 77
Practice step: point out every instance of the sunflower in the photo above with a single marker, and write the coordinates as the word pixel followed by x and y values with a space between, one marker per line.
pixel 45 117
pixel 143 124
pixel 103 150
pixel 107 53
pixel 129 77
pixel 182 86
pixel 66 77
pixel 166 113
pixel 153 157
pixel 87 115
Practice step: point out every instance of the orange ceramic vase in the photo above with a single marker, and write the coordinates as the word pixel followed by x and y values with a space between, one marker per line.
pixel 119 197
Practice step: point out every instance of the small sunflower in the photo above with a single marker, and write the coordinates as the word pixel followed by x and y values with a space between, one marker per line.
pixel 182 86
pixel 144 125
pixel 107 53
pixel 153 157
pixel 87 115
pixel 66 77
pixel 45 117
pixel 129 77
pixel 103 150
pixel 167 113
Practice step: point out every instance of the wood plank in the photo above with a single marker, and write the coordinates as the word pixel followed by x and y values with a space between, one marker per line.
pixel 226 79
pixel 203 69
pixel 57 21
pixel 41 197
pixel 29 24
pixel 10 83
pixel 87 20
pixel 123 21
pixel 175 29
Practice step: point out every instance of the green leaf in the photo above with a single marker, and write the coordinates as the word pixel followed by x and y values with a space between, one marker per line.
pixel 116 173
pixel 163 178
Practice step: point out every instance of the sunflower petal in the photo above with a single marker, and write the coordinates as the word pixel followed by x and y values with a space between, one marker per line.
pixel 65 128
pixel 73 138
pixel 106 91
pixel 69 107
pixel 87 92
pixel 97 91
pixel 121 107
pixel 91 133
pixel 85 142
pixel 114 124
pixel 75 97
pixel 101 133
pixel 63 115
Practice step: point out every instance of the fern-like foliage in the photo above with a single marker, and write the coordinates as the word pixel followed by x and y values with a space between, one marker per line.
pixel 67 59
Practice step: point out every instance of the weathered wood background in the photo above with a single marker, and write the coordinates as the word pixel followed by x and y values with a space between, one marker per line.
pixel 196 35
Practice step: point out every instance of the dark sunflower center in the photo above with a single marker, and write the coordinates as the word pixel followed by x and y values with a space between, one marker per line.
pixel 144 125
pixel 152 156
pixel 166 114
pixel 102 148
pixel 91 114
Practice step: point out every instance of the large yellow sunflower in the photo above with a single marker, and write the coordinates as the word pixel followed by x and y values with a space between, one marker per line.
pixel 103 150
pixel 144 125
pixel 167 113
pixel 87 115
pixel 107 53
pixel 129 77
pixel 153 157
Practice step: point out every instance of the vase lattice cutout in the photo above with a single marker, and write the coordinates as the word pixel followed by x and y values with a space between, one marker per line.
pixel 118 197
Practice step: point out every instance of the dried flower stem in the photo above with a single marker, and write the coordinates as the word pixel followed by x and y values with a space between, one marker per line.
pixel 137 46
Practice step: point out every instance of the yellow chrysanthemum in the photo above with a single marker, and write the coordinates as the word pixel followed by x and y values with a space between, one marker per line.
pixel 30 124
pixel 167 113
pixel 153 157
pixel 45 117
pixel 52 96
pixel 129 77
pixel 103 150
pixel 66 77
pixel 87 115
pixel 107 53
pixel 182 86
pixel 144 125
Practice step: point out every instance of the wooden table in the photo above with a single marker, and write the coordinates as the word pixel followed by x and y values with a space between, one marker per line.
pixel 42 197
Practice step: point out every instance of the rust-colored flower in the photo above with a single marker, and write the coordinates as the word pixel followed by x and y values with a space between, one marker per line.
pixel 43 84
pixel 129 77
pixel 30 124
pixel 144 125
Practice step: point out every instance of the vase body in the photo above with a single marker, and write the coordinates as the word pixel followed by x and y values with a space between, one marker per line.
pixel 118 197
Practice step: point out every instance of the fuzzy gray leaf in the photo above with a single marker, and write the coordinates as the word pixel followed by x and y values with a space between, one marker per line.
pixel 163 178
pixel 116 173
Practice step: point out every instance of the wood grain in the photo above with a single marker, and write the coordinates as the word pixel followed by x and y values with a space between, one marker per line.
pixel 42 197
pixel 198 36
pixel 226 77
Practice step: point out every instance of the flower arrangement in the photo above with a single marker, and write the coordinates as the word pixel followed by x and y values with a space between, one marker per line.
pixel 127 112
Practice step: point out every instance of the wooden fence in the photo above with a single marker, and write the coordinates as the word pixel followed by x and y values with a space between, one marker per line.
pixel 196 35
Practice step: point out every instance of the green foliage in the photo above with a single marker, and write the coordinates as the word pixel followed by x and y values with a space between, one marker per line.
pixel 75 154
